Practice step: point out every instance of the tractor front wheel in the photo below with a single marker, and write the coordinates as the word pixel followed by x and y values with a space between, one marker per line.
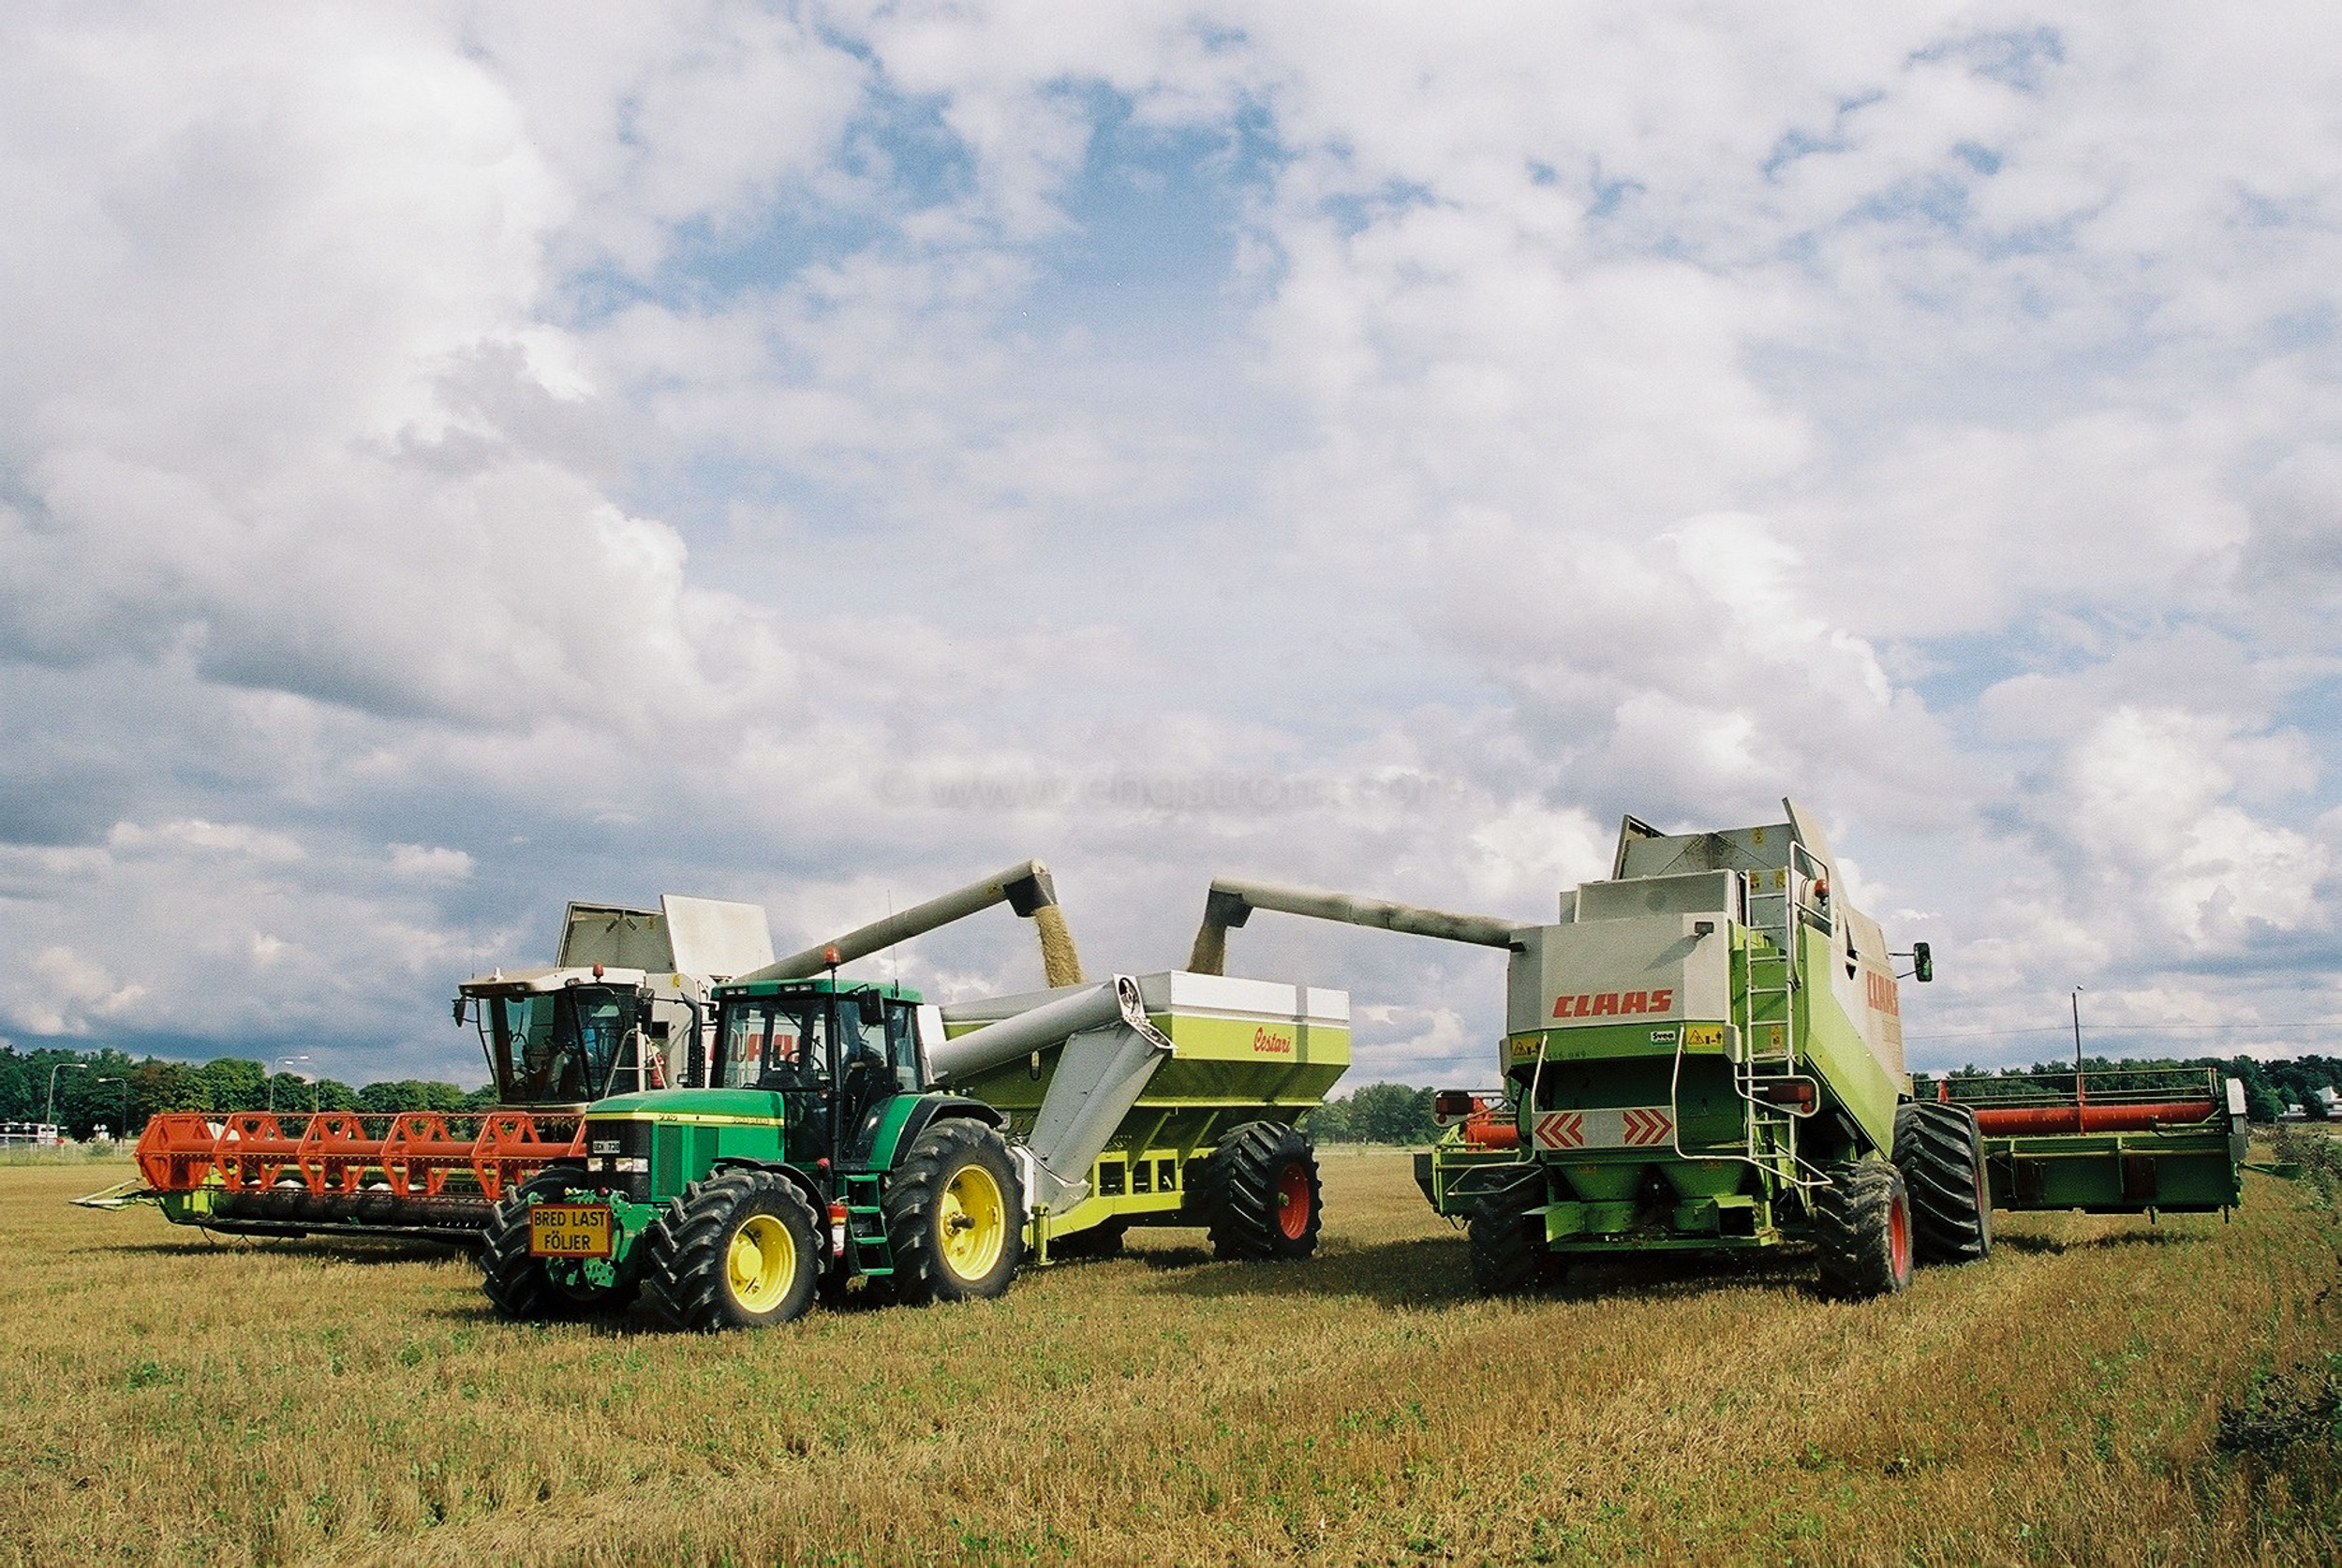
pixel 1863 1229
pixel 529 1288
pixel 1508 1252
pixel 955 1215
pixel 1941 1156
pixel 737 1251
pixel 1259 1193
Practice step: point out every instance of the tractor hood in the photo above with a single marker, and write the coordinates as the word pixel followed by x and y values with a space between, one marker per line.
pixel 688 1104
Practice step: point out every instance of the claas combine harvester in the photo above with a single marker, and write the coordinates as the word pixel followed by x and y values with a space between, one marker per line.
pixel 1704 1054
pixel 852 1136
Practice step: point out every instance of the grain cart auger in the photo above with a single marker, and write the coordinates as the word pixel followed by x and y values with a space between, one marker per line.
pixel 1703 1053
pixel 625 1005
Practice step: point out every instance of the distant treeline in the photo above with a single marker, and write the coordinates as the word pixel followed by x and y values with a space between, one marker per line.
pixel 110 1089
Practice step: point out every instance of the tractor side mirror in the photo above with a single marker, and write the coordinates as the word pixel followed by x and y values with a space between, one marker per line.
pixel 459 1012
pixel 1922 963
pixel 872 1007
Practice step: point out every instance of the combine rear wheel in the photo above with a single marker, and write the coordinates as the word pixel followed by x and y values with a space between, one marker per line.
pixel 1509 1253
pixel 1941 1156
pixel 531 1289
pixel 1259 1193
pixel 1862 1228
pixel 737 1251
pixel 955 1215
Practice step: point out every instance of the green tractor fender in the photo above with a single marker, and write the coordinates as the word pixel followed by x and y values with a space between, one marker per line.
pixel 887 1135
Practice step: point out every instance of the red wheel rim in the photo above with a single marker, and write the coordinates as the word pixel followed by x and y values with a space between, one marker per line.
pixel 1899 1238
pixel 1292 1201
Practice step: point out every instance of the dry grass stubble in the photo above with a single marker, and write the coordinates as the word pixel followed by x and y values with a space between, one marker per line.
pixel 296 1402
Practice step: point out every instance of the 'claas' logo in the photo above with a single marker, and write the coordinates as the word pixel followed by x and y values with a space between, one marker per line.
pixel 1614 1004
pixel 1268 1044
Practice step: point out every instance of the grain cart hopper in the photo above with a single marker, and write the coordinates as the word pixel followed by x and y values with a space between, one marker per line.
pixel 1703 1053
pixel 2122 1140
pixel 852 1132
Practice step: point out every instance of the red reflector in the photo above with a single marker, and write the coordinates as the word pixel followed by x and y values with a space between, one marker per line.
pixel 1799 1094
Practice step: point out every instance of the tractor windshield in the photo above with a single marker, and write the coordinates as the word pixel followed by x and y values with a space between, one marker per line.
pixel 556 1047
pixel 775 1043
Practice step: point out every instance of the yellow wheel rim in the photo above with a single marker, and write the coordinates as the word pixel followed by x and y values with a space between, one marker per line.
pixel 760 1263
pixel 974 1221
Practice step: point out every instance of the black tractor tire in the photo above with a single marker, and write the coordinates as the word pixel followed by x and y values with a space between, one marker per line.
pixel 1941 1156
pixel 955 1215
pixel 1259 1195
pixel 1863 1230
pixel 1507 1236
pixel 517 1284
pixel 739 1250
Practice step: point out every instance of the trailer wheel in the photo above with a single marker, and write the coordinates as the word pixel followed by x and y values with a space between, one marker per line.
pixel 955 1215
pixel 1862 1228
pixel 1259 1193
pixel 524 1288
pixel 1941 1156
pixel 737 1251
pixel 1508 1252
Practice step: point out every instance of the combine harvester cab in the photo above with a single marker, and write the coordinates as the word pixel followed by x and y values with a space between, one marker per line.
pixel 626 1005
pixel 1703 1053
pixel 851 1132
pixel 2122 1140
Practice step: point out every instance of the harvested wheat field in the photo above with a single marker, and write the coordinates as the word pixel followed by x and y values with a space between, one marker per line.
pixel 170 1398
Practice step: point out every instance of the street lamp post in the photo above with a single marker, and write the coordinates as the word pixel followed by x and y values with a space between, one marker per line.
pixel 50 1118
pixel 2075 999
pixel 283 1062
pixel 125 1097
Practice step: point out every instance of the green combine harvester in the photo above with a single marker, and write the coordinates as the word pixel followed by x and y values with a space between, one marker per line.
pixel 1704 1054
pixel 851 1136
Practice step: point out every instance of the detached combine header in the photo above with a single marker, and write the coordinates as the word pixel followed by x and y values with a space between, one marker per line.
pixel 2122 1141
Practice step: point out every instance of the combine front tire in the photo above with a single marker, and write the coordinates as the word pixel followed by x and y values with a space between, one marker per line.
pixel 1862 1228
pixel 1509 1253
pixel 1941 1156
pixel 1260 1194
pixel 524 1288
pixel 955 1215
pixel 737 1251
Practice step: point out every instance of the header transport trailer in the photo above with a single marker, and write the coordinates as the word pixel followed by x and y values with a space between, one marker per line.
pixel 625 1006
pixel 852 1134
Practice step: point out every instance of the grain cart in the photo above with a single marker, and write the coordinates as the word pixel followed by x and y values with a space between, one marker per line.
pixel 2151 1140
pixel 1703 1053
pixel 851 1132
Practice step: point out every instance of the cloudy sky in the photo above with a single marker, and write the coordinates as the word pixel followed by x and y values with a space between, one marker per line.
pixel 455 459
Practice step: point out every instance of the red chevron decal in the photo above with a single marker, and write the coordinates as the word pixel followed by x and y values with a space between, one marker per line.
pixel 1560 1130
pixel 1645 1127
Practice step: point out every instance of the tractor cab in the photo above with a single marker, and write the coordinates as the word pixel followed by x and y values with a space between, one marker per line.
pixel 841 1052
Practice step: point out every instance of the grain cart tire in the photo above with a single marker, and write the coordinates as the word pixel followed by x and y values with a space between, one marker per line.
pixel 1863 1230
pixel 955 1215
pixel 1508 1252
pixel 737 1251
pixel 1941 1156
pixel 1260 1194
pixel 518 1285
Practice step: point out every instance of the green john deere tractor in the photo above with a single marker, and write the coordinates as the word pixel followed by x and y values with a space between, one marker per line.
pixel 816 1155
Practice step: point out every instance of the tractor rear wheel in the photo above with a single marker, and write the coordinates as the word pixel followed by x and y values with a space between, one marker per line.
pixel 529 1288
pixel 1941 1156
pixel 1259 1193
pixel 737 1251
pixel 1863 1229
pixel 1508 1252
pixel 955 1215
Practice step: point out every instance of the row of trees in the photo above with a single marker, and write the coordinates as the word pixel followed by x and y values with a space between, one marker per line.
pixel 108 1089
